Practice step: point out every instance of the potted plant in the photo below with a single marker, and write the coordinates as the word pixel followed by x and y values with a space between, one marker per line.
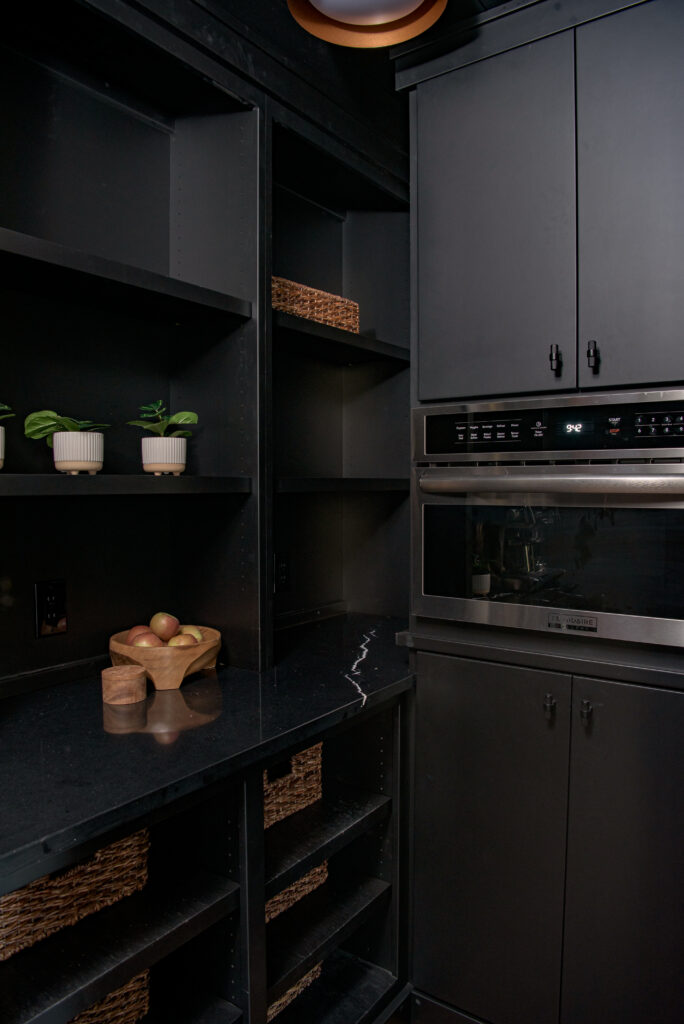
pixel 5 414
pixel 481 579
pixel 164 452
pixel 77 445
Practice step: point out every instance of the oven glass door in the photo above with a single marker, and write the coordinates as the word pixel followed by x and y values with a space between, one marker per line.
pixel 614 561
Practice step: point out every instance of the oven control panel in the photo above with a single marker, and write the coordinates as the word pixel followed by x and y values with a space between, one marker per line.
pixel 576 428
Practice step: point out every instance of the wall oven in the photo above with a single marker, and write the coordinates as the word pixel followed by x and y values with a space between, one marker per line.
pixel 563 514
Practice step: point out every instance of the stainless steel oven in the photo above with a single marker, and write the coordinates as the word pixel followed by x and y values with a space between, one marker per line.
pixel 562 514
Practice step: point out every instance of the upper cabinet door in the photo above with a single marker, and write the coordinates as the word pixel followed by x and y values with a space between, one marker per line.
pixel 496 233
pixel 630 124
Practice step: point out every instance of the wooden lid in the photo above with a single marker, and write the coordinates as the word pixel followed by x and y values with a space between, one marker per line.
pixel 345 34
pixel 124 684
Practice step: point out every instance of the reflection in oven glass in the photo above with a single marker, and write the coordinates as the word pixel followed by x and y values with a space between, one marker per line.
pixel 621 560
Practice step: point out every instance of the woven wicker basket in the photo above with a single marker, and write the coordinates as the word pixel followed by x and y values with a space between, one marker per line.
pixel 279 1005
pixel 301 300
pixel 302 887
pixel 126 1005
pixel 297 789
pixel 65 897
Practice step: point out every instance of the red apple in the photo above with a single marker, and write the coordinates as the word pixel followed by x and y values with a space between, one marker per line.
pixel 164 625
pixel 182 640
pixel 148 639
pixel 193 631
pixel 134 631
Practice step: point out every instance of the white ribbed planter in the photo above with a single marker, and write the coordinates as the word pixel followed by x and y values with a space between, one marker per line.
pixel 2 447
pixel 164 455
pixel 78 452
pixel 481 583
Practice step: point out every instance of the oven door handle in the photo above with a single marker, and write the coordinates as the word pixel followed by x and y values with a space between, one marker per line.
pixel 551 483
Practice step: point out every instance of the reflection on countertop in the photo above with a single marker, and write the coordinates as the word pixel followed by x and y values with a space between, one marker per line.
pixel 165 714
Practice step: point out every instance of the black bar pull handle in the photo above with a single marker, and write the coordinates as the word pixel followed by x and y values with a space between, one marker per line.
pixel 556 360
pixel 593 356
pixel 586 711
pixel 549 706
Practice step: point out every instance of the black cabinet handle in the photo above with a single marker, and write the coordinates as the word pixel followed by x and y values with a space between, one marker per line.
pixel 556 360
pixel 549 706
pixel 593 356
pixel 586 711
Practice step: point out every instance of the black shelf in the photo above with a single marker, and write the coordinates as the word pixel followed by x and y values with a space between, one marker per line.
pixel 348 991
pixel 302 936
pixel 298 843
pixel 209 1011
pixel 68 972
pixel 333 343
pixel 27 485
pixel 37 265
pixel 343 485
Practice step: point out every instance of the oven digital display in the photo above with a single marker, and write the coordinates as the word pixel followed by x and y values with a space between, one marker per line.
pixel 576 428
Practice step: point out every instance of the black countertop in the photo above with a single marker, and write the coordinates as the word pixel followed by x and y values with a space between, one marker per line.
pixel 74 768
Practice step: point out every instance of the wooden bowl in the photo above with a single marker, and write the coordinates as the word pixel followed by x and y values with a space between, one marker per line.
pixel 167 667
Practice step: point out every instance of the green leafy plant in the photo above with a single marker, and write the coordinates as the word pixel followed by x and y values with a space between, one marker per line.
pixel 45 423
pixel 154 418
pixel 5 411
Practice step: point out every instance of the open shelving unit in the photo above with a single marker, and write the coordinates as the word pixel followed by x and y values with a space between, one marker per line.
pixel 298 843
pixel 348 990
pixel 340 399
pixel 304 935
pixel 121 941
pixel 346 925
pixel 128 240
pixel 135 253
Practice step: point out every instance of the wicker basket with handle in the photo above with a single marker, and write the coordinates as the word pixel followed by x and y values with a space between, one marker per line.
pixel 44 906
pixel 313 304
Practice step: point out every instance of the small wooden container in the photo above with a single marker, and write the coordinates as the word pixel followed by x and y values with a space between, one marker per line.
pixel 167 667
pixel 124 684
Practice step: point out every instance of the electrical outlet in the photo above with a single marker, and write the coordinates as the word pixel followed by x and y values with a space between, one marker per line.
pixel 51 609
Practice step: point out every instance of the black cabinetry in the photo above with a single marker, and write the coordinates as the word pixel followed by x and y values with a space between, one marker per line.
pixel 561 153
pixel 630 125
pixel 496 224
pixel 529 760
pixel 491 805
pixel 624 917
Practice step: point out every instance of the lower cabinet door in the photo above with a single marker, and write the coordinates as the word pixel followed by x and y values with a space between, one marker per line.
pixel 492 753
pixel 624 930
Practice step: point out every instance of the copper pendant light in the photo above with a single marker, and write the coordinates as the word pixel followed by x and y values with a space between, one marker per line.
pixel 355 26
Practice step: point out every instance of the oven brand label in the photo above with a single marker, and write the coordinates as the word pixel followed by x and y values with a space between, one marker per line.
pixel 575 623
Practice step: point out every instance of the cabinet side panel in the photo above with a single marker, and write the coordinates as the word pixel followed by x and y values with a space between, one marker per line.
pixel 490 825
pixel 624 930
pixel 496 224
pixel 630 92
pixel 376 272
pixel 214 198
